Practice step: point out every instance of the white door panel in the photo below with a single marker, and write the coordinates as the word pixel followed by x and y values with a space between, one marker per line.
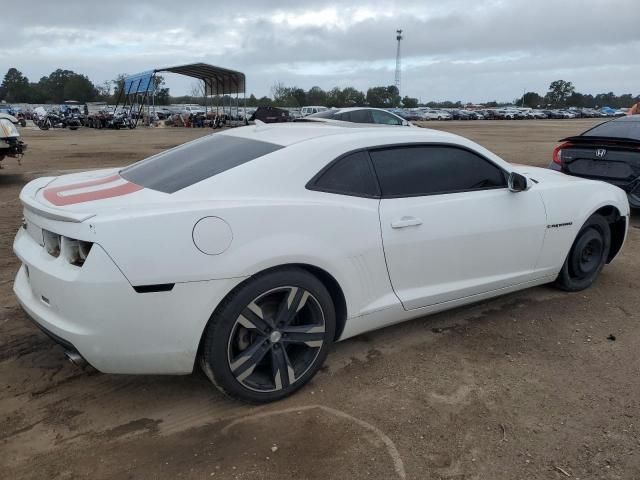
pixel 444 247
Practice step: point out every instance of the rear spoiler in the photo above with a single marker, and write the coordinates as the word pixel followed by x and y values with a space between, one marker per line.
pixel 589 138
pixel 30 203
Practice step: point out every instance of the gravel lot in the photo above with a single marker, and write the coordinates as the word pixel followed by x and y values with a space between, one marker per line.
pixel 527 386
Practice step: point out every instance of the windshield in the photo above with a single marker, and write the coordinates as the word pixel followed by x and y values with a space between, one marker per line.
pixel 195 161
pixel 627 127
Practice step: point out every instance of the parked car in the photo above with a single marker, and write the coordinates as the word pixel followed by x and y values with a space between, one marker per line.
pixel 462 115
pixel 310 110
pixel 504 114
pixel 609 152
pixel 409 115
pixel 359 115
pixel 556 114
pixel 223 251
pixel 10 143
pixel 430 114
pixel 611 112
pixel 193 110
pixel 268 114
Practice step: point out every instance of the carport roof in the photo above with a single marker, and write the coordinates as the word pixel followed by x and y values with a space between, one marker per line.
pixel 217 80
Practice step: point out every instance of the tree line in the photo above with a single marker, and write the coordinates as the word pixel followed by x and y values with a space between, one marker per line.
pixel 562 93
pixel 62 85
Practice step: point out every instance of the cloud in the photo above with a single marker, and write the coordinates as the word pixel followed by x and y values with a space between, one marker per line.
pixel 459 49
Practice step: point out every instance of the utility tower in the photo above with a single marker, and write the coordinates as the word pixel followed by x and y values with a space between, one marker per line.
pixel 398 59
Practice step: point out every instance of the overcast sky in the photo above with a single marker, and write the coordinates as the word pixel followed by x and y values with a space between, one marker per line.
pixel 455 49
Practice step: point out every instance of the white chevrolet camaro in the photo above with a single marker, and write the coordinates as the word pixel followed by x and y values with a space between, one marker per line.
pixel 252 250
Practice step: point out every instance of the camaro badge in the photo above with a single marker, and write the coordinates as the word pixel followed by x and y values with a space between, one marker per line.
pixel 558 225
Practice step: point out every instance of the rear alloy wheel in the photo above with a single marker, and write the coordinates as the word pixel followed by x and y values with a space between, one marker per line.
pixel 587 256
pixel 269 337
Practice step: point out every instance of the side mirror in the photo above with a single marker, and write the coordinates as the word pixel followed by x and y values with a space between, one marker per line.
pixel 405 123
pixel 518 183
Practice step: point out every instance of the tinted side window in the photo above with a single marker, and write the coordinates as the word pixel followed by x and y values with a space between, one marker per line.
pixel 428 170
pixel 351 175
pixel 385 118
pixel 359 116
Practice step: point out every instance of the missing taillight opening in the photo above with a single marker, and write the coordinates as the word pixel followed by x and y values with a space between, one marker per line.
pixel 76 251
pixel 51 243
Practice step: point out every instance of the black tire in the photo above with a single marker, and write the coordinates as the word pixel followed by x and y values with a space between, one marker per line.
pixel 587 256
pixel 276 322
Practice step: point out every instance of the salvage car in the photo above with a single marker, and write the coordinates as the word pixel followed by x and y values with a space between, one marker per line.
pixel 251 251
pixel 609 152
pixel 10 143
pixel 358 115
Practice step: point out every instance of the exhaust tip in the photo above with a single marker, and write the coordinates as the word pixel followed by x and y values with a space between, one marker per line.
pixel 75 358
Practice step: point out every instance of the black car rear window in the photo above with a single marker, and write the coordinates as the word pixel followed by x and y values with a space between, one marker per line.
pixel 623 128
pixel 195 161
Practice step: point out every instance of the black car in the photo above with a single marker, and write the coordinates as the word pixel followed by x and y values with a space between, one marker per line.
pixel 609 152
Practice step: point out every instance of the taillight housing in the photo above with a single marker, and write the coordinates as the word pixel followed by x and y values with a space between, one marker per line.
pixel 557 152
pixel 73 251
pixel 51 243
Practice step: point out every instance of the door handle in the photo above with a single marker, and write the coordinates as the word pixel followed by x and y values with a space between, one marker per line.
pixel 406 222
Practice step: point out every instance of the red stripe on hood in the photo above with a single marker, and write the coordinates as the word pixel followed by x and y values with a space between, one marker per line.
pixel 53 194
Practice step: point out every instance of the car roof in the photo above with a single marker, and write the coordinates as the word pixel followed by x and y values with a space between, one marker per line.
pixel 286 134
pixel 352 109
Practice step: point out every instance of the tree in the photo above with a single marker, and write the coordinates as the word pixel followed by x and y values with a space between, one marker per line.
pixel 104 90
pixel 352 97
pixel 409 102
pixel 79 87
pixel 316 96
pixel 530 99
pixel 300 96
pixel 161 92
pixel 15 87
pixel 118 86
pixel 383 97
pixel 559 92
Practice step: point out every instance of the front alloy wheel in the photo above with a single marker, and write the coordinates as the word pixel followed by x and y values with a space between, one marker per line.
pixel 270 336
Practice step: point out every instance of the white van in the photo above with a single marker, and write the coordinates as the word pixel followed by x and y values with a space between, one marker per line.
pixel 309 110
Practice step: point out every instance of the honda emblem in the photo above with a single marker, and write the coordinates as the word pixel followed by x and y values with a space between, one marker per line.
pixel 601 152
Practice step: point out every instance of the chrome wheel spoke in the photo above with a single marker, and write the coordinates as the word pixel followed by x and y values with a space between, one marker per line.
pixel 310 335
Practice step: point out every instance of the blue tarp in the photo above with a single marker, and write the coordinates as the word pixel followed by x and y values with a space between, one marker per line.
pixel 139 83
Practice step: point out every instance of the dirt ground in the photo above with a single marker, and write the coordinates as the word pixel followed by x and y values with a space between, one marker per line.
pixel 532 385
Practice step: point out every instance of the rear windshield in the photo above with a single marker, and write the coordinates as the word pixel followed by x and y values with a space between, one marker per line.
pixel 623 128
pixel 195 161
